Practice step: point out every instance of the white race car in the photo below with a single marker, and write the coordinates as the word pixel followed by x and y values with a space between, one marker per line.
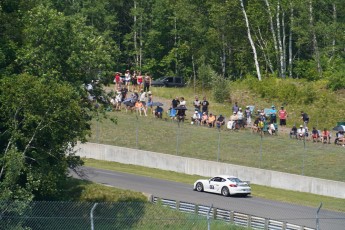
pixel 223 184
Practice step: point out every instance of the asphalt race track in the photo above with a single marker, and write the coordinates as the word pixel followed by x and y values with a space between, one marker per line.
pixel 280 211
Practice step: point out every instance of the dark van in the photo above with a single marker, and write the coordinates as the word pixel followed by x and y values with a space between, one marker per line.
pixel 168 82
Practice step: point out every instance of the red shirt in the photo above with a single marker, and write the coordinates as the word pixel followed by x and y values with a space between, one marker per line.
pixel 117 78
pixel 282 114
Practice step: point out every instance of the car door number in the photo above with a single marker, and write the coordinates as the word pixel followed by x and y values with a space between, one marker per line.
pixel 211 186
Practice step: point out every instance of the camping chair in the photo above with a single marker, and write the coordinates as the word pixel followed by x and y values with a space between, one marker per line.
pixel 172 113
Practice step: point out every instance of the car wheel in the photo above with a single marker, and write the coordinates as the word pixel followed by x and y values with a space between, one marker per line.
pixel 225 191
pixel 199 187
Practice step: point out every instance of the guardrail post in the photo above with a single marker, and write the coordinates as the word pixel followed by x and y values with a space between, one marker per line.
pixel 266 223
pixel 91 216
pixel 249 221
pixel 177 205
pixel 231 216
pixel 214 213
pixel 284 225
pixel 196 209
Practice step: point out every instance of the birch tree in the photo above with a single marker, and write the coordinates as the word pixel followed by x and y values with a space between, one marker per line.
pixel 257 66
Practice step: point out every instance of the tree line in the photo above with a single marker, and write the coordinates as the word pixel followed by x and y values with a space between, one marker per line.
pixel 50 48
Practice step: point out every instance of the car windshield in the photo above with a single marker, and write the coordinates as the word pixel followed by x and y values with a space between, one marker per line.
pixel 234 179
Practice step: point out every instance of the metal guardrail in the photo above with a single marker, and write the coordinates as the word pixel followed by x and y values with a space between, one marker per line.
pixel 237 218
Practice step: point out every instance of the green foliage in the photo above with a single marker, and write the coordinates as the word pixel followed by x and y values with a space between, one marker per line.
pixel 41 120
pixel 220 89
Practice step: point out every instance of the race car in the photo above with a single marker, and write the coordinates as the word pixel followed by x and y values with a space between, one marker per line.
pixel 223 184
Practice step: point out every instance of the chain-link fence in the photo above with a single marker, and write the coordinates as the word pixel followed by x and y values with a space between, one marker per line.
pixel 273 152
pixel 43 215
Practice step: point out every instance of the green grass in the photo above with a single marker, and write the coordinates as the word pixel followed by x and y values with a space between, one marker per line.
pixel 300 198
pixel 279 153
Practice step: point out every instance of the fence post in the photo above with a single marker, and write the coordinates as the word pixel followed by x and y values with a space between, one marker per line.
pixel 91 216
pixel 284 225
pixel 214 213
pixel 231 216
pixel 208 218
pixel 196 209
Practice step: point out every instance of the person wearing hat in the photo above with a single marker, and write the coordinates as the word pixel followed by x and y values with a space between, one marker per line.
pixel 273 115
pixel 300 132
pixel 282 116
pixel 196 118
pixel 232 120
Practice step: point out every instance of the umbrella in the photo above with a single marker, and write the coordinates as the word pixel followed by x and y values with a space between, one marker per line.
pixel 128 103
pixel 157 104
pixel 339 128
pixel 181 107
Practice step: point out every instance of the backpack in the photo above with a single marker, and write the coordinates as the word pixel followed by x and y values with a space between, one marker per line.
pixel 261 124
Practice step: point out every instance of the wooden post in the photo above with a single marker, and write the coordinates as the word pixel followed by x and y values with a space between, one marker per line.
pixel 231 216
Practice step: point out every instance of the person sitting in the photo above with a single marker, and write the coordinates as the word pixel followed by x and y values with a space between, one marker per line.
pixel 340 138
pixel 220 121
pixel 255 126
pixel 300 132
pixel 196 118
pixel 204 118
pixel 271 128
pixel 315 135
pixel 325 136
pixel 159 112
pixel 181 114
pixel 232 121
pixel 211 120
pixel 293 132
pixel 139 107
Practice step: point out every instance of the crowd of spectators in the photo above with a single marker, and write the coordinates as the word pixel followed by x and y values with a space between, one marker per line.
pixel 141 101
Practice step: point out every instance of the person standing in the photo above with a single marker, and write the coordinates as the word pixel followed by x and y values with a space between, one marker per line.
pixel 147 82
pixel 134 81
pixel 235 108
pixel 140 81
pixel 204 106
pixel 175 102
pixel 127 78
pixel 197 104
pixel 248 115
pixel 305 118
pixel 273 115
pixel 117 81
pixel 282 116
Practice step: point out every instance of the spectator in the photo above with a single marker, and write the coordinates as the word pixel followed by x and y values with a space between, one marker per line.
pixel 300 132
pixel 325 136
pixel 117 81
pixel 175 102
pixel 271 128
pixel 149 101
pixel 304 117
pixel 273 114
pixel 140 81
pixel 127 78
pixel 282 116
pixel 139 107
pixel 159 112
pixel 196 118
pixel 339 138
pixel 204 118
pixel 235 107
pixel 182 101
pixel 134 81
pixel 147 82
pixel 204 105
pixel 211 120
pixel 232 121
pixel 220 121
pixel 262 115
pixel 197 103
pixel 293 132
pixel 248 115
pixel 315 135
pixel 240 117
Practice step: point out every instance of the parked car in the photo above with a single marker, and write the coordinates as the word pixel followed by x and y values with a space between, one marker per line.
pixel 223 184
pixel 168 82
